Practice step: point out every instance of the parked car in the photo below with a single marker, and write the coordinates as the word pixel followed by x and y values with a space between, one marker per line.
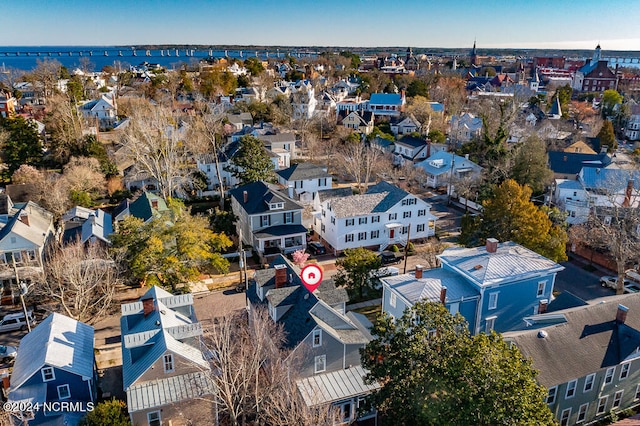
pixel 316 248
pixel 612 282
pixel 16 322
pixel 632 288
pixel 389 258
pixel 8 353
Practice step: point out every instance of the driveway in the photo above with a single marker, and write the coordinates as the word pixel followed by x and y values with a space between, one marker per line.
pixel 580 282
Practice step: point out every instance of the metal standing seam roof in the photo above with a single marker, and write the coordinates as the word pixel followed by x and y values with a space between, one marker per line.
pixel 341 327
pixel 169 390
pixel 385 99
pixel 59 342
pixel 609 179
pixel 429 286
pixel 97 225
pixel 335 386
pixel 511 262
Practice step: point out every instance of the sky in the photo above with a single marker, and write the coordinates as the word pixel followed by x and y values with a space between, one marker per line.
pixel 555 24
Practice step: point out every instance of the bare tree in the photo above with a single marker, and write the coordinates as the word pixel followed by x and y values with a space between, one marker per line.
pixel 255 376
pixel 81 279
pixel 84 174
pixel 155 142
pixel 66 126
pixel 207 132
pixel 46 73
pixel 359 160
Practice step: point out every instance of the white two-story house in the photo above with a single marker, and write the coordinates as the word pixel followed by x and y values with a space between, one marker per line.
pixel 382 216
pixel 304 180
pixel 268 219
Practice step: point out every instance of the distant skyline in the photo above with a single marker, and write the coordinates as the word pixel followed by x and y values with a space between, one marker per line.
pixel 545 24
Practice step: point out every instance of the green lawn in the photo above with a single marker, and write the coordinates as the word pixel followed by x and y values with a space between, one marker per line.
pixel 371 312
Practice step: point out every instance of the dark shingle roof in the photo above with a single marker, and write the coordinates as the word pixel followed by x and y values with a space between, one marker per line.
pixel 394 196
pixel 303 171
pixel 412 141
pixel 257 194
pixel 280 230
pixel 590 338
pixel 142 207
pixel 572 162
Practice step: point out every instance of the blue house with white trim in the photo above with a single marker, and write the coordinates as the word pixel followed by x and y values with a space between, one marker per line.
pixel 55 363
pixel 493 287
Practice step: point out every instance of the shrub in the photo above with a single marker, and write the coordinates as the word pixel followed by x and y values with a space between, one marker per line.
pixel 394 248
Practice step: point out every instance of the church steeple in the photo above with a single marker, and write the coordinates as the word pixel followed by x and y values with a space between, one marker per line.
pixel 597 54
pixel 473 51
pixel 474 55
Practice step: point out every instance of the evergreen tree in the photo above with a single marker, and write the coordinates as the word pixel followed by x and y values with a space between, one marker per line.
pixel 252 162
pixel 20 144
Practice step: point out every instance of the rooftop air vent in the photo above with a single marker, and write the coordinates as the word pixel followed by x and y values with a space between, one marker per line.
pixel 542 334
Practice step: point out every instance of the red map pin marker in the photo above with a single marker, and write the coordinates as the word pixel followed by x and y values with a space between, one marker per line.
pixel 311 276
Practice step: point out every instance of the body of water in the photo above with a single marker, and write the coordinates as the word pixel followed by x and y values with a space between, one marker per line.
pixel 26 57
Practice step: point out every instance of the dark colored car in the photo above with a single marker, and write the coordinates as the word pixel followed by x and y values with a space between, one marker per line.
pixel 316 248
pixel 389 258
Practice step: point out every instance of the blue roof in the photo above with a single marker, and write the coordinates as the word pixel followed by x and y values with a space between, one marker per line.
pixel 609 179
pixel 436 106
pixel 385 99
pixel 571 163
pixel 58 341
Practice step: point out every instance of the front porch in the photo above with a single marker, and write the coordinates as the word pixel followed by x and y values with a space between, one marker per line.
pixel 280 239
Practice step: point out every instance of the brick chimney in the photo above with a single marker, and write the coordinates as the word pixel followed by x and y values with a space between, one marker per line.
pixel 281 275
pixel 443 295
pixel 148 306
pixel 418 272
pixel 621 314
pixel 542 306
pixel 492 245
pixel 245 195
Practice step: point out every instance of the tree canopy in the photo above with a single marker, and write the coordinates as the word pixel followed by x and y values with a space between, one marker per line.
pixel 434 373
pixel 531 165
pixel 511 216
pixel 252 162
pixel 20 144
pixel 171 249
pixel 356 269
pixel 607 136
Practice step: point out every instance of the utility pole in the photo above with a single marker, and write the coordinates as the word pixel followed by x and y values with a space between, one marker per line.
pixel 449 190
pixel 22 288
pixel 406 248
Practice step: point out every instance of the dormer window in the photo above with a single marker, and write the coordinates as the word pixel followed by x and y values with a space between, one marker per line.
pixel 276 206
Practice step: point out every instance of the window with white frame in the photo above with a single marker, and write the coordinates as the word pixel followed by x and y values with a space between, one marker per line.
pixel 64 392
pixel 493 300
pixel 541 287
pixel 617 399
pixel 602 404
pixel 564 417
pixel 288 217
pixel 637 396
pixel 404 230
pixel 490 322
pixel 333 220
pixel 375 219
pixel 392 300
pixel 582 413
pixel 47 374
pixel 422 212
pixel 348 238
pixel 551 396
pixel 349 222
pixel 362 221
pixel 320 364
pixel 406 215
pixel 588 382
pixel 624 370
pixel 317 338
pixel 571 389
pixel 265 220
pixel 375 234
pixel 608 377
pixel 154 419
pixel 393 216
pixel 168 363
pixel 322 227
pixel 345 411
pixel 420 227
pixel 362 236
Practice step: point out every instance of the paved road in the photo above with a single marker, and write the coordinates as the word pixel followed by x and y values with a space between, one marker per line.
pixel 580 282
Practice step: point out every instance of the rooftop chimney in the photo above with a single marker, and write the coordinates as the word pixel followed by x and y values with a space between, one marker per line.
pixel 245 195
pixel 418 271
pixel 281 275
pixel 290 191
pixel 443 295
pixel 542 306
pixel 621 314
pixel 148 306
pixel 492 245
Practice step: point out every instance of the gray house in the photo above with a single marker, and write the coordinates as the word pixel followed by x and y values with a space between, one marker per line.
pixel 268 219
pixel 317 324
pixel 587 356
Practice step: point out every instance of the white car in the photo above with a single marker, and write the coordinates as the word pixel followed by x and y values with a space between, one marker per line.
pixel 16 321
pixel 632 288
pixel 8 353
pixel 612 282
